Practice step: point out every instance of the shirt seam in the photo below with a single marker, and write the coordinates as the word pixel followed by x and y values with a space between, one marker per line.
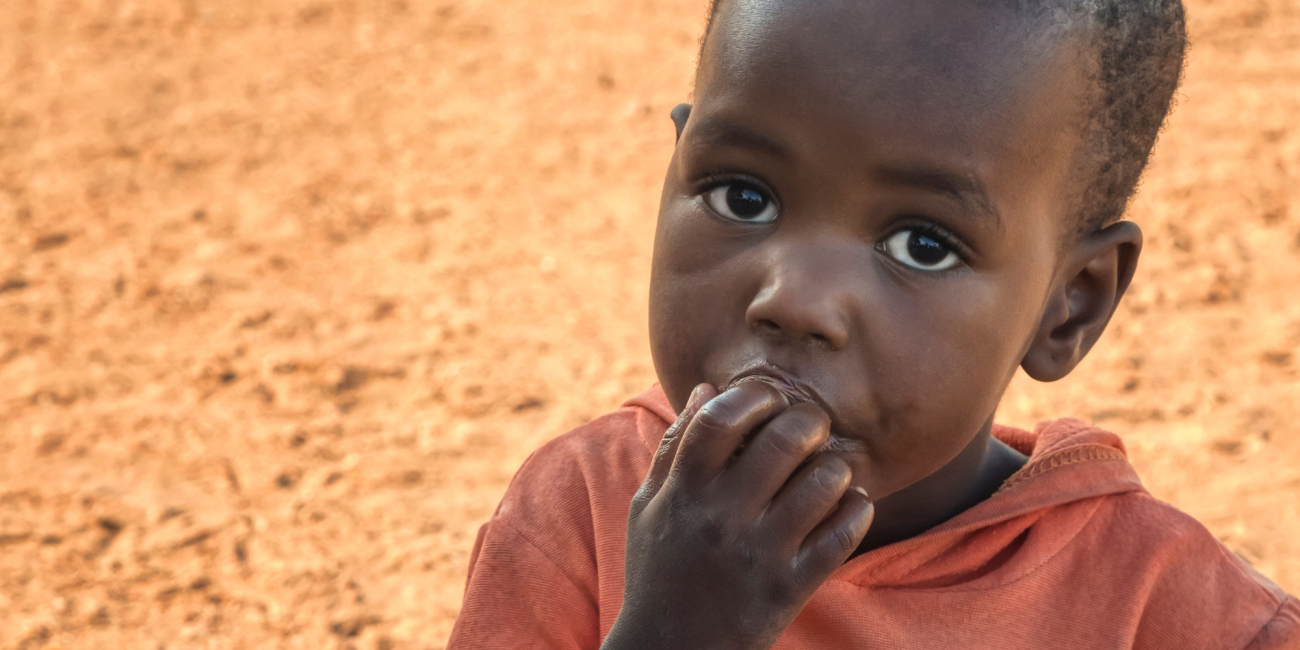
pixel 1277 613
pixel 1047 560
pixel 1062 458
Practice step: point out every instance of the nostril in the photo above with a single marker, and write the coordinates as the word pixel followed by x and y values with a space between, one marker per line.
pixel 767 326
pixel 820 341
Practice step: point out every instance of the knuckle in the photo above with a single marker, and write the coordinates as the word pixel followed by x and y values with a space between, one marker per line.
pixel 640 499
pixel 816 418
pixel 843 540
pixel 791 436
pixel 668 506
pixel 670 438
pixel 676 503
pixel 665 452
pixel 749 557
pixel 783 443
pixel 782 592
pixel 716 529
pixel 717 415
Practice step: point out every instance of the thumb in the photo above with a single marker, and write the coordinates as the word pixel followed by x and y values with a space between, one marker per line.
pixel 663 460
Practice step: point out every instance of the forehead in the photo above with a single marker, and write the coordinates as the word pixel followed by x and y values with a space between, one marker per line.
pixel 969 77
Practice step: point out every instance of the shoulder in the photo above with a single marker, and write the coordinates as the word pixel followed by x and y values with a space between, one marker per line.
pixel 1142 537
pixel 573 492
pixel 1155 567
pixel 1171 539
pixel 536 572
pixel 613 451
pixel 603 451
pixel 1191 584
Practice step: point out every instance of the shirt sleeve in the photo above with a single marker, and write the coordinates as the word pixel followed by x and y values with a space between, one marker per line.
pixel 1283 631
pixel 518 598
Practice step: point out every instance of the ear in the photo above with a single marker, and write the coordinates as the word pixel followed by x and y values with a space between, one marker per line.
pixel 1099 270
pixel 680 114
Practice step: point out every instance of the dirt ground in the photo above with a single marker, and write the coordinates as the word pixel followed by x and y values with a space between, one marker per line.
pixel 288 290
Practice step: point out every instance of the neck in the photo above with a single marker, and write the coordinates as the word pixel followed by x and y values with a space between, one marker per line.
pixel 973 476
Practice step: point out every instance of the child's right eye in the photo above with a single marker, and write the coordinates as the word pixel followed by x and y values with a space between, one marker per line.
pixel 741 202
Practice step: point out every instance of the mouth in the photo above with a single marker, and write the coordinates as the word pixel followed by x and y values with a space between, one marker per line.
pixel 791 387
pixel 797 391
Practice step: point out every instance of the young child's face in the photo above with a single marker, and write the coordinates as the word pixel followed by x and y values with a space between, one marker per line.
pixel 869 200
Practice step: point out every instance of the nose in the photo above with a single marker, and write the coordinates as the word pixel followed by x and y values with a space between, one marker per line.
pixel 803 300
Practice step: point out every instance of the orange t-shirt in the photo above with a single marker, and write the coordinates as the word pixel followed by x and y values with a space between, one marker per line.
pixel 1071 552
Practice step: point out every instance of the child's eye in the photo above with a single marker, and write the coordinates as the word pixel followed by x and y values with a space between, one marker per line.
pixel 920 249
pixel 741 202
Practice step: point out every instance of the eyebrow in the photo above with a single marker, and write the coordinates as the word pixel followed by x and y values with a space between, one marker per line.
pixel 722 133
pixel 966 190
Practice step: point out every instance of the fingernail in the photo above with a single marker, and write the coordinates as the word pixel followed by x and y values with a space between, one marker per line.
pixel 861 490
pixel 697 396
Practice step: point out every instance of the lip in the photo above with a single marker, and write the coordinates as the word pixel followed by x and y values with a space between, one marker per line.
pixel 797 391
pixel 790 385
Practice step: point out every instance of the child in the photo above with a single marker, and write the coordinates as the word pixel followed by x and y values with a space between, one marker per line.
pixel 876 211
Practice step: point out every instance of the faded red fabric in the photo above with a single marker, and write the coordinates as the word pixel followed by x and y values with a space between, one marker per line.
pixel 1072 552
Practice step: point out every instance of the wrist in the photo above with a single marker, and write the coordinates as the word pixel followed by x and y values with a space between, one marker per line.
pixel 635 631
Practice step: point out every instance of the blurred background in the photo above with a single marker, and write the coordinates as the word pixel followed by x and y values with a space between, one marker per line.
pixel 288 291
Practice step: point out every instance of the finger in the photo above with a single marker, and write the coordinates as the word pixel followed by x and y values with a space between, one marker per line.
pixel 777 451
pixel 832 542
pixel 720 426
pixel 809 497
pixel 667 451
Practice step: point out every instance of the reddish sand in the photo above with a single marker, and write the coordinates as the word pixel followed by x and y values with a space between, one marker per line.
pixel 288 290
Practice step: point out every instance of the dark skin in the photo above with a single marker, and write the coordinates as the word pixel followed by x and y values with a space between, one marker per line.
pixel 881 215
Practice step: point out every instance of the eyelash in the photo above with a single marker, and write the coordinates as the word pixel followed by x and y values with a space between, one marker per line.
pixel 938 233
pixel 715 179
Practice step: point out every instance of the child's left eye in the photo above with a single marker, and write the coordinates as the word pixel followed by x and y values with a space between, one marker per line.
pixel 741 202
pixel 921 250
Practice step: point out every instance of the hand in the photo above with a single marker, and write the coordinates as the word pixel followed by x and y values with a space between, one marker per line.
pixel 725 548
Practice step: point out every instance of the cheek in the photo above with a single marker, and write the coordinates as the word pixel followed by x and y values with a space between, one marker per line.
pixel 955 336
pixel 691 242
pixel 692 297
pixel 675 334
pixel 943 364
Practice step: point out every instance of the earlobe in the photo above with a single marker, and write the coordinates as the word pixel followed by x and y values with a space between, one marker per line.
pixel 680 114
pixel 1099 270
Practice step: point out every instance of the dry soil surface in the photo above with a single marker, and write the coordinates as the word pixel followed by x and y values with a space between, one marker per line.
pixel 289 289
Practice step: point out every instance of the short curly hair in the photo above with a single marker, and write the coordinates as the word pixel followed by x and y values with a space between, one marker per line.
pixel 1140 48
